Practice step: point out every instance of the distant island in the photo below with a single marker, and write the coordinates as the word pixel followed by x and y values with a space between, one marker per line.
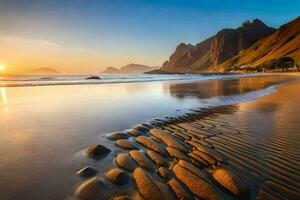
pixel 129 69
pixel 252 47
pixel 42 71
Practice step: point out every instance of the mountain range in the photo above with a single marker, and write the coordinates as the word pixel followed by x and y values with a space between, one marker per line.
pixel 129 69
pixel 252 45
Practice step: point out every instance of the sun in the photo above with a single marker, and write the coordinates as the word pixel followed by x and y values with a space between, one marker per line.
pixel 2 67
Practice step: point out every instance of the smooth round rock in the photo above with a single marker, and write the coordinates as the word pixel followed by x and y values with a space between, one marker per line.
pixel 198 186
pixel 165 173
pixel 87 171
pixel 151 144
pixel 93 189
pixel 179 191
pixel 117 136
pixel 97 151
pixel 126 144
pixel 135 133
pixel 177 154
pixel 125 161
pixel 117 176
pixel 142 160
pixel 149 188
pixel 230 181
pixel 157 158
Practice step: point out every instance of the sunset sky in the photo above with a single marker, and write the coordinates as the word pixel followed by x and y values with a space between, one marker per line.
pixel 80 36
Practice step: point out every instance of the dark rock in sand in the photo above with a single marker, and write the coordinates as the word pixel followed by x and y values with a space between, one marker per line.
pixel 87 171
pixel 177 154
pixel 179 190
pixel 140 158
pixel 149 188
pixel 135 133
pixel 230 181
pixel 97 151
pixel 125 161
pixel 165 173
pixel 168 139
pixel 126 144
pixel 93 189
pixel 117 136
pixel 93 78
pixel 198 186
pixel 157 158
pixel 151 144
pixel 117 176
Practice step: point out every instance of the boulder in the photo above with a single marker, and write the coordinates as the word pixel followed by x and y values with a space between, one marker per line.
pixel 157 158
pixel 198 186
pixel 168 139
pixel 117 136
pixel 177 154
pixel 135 133
pixel 126 144
pixel 97 151
pixel 165 173
pixel 140 158
pixel 93 189
pixel 149 188
pixel 117 176
pixel 179 190
pixel 151 144
pixel 125 161
pixel 230 181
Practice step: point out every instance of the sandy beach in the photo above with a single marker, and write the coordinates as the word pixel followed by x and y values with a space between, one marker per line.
pixel 233 138
pixel 240 151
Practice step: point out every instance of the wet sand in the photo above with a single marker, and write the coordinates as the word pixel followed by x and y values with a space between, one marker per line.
pixel 45 132
pixel 242 151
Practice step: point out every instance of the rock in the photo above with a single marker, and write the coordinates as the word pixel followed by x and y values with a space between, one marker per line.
pixel 165 173
pixel 93 189
pixel 168 139
pixel 229 181
pixel 87 171
pixel 125 161
pixel 192 168
pixel 210 160
pixel 204 143
pixel 93 78
pixel 149 188
pixel 126 144
pixel 211 152
pixel 117 176
pixel 135 133
pixel 157 158
pixel 142 160
pixel 121 197
pixel 198 186
pixel 177 154
pixel 178 189
pixel 97 151
pixel 117 136
pixel 151 144
pixel 200 161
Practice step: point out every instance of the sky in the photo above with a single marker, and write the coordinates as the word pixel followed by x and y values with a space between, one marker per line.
pixel 86 36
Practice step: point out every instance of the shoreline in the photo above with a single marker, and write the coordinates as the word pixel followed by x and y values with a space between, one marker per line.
pixel 164 152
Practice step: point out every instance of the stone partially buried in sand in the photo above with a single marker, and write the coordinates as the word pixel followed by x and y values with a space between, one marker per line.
pixel 93 189
pixel 177 154
pixel 140 158
pixel 126 144
pixel 165 173
pixel 87 171
pixel 151 144
pixel 117 176
pixel 168 139
pixel 149 188
pixel 179 190
pixel 125 161
pixel 157 158
pixel 230 181
pixel 117 136
pixel 198 186
pixel 97 151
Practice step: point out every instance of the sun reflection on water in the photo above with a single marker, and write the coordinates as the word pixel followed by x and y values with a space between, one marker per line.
pixel 4 99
